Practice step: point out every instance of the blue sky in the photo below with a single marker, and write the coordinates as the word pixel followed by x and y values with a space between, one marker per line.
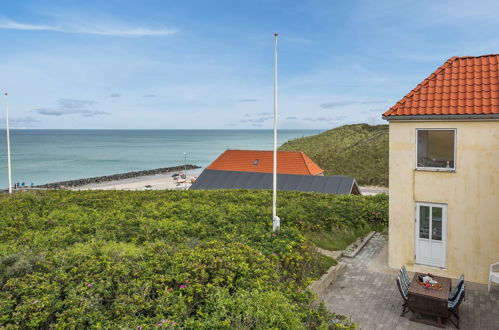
pixel 209 64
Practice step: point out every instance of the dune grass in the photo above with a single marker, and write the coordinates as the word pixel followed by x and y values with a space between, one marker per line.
pixel 327 262
pixel 359 151
pixel 338 239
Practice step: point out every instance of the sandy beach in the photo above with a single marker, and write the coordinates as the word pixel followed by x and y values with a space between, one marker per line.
pixel 163 181
pixel 373 190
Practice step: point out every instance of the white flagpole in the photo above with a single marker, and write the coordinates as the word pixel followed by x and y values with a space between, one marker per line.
pixel 185 171
pixel 276 222
pixel 8 141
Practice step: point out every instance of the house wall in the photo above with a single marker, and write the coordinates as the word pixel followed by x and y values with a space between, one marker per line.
pixel 471 193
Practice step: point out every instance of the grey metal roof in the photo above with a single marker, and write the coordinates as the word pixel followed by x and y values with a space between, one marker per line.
pixel 217 179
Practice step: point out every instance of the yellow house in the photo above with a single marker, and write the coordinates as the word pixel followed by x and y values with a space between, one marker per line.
pixel 444 171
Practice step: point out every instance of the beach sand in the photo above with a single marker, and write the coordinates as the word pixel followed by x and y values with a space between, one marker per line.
pixel 162 181
pixel 373 190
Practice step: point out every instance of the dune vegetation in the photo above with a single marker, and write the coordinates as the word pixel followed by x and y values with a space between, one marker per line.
pixel 170 259
pixel 359 151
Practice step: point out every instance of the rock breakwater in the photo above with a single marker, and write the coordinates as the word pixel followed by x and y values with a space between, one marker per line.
pixel 115 177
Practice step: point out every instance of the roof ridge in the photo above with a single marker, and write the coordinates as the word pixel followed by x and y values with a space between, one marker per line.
pixel 421 84
pixel 259 150
pixel 310 164
pixel 302 154
pixel 471 56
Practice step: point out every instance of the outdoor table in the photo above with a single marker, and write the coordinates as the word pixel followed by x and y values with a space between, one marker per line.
pixel 429 301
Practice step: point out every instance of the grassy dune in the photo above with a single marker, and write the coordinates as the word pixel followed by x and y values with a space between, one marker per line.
pixel 359 151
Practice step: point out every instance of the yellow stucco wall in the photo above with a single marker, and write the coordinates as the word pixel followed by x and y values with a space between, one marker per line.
pixel 471 194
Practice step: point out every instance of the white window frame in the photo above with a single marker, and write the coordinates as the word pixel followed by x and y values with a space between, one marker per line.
pixel 436 169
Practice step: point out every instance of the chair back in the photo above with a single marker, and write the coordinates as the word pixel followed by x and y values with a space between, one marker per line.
pixel 454 304
pixel 405 277
pixel 402 289
pixel 404 280
pixel 457 288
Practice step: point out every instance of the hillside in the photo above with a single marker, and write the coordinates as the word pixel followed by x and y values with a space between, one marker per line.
pixel 359 151
pixel 170 259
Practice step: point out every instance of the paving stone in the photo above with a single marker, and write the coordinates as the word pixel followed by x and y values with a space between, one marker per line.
pixel 371 298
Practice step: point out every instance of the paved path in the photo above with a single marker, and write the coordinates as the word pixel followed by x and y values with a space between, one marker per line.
pixel 367 293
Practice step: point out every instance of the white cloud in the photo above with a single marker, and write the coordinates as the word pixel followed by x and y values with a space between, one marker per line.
pixel 20 122
pixel 70 107
pixel 89 28
pixel 11 25
pixel 247 100
pixel 63 112
pixel 335 104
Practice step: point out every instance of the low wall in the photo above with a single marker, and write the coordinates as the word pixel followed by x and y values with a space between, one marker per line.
pixel 319 286
pixel 354 248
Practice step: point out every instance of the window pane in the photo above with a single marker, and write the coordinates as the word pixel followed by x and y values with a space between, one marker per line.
pixel 424 222
pixel 436 225
pixel 435 148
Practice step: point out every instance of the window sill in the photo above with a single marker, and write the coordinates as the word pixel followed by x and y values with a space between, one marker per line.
pixel 432 169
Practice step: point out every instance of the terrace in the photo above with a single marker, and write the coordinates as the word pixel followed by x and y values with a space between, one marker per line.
pixel 367 293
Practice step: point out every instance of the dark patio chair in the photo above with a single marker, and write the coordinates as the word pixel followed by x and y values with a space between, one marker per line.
pixel 403 292
pixel 453 293
pixel 405 277
pixel 454 307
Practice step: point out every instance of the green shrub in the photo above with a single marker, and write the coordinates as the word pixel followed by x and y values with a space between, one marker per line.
pixel 201 259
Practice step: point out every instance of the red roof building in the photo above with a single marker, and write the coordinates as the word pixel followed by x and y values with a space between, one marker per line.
pixel 288 162
pixel 444 173
pixel 463 87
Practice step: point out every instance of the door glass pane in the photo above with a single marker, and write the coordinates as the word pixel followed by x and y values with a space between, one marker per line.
pixel 424 222
pixel 436 225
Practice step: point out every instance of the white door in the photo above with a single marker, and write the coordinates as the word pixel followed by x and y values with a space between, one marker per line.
pixel 431 224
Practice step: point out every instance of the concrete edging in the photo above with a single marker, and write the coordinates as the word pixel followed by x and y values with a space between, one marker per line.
pixel 334 272
pixel 333 254
pixel 361 244
pixel 329 277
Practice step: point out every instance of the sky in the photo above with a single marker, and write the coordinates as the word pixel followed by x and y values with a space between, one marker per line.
pixel 208 64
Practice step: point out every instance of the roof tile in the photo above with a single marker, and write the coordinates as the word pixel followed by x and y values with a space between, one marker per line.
pixel 462 85
pixel 288 162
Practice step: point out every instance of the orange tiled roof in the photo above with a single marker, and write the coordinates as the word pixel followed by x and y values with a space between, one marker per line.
pixel 461 86
pixel 288 162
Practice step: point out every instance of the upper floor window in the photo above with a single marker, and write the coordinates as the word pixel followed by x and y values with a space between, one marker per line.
pixel 436 149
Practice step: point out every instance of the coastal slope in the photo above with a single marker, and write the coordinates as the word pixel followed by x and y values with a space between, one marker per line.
pixel 359 151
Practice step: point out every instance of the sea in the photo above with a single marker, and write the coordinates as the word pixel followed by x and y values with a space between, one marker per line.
pixel 45 156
